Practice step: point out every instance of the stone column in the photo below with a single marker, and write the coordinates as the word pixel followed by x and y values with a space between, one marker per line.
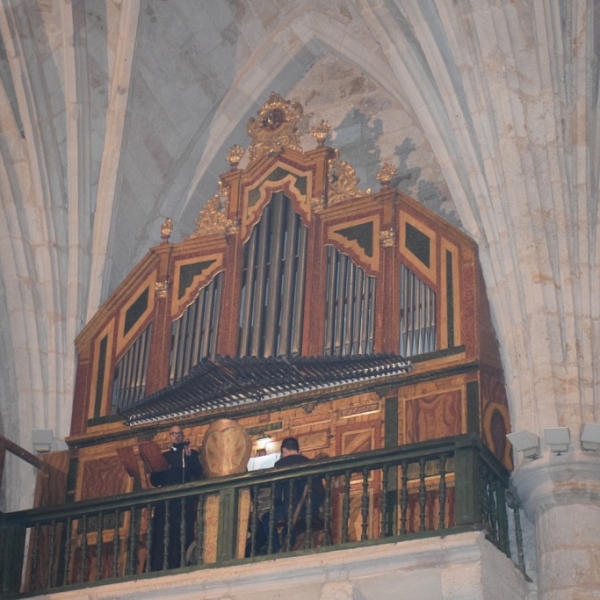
pixel 561 495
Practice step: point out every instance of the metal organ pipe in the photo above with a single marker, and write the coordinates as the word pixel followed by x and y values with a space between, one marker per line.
pixel 274 277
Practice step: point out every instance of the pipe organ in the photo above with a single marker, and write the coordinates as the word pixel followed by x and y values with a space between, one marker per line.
pixel 290 260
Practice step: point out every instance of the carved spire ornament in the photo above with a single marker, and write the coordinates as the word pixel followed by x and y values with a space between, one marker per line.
pixel 275 129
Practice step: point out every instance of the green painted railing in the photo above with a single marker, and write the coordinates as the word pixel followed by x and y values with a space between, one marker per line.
pixel 401 493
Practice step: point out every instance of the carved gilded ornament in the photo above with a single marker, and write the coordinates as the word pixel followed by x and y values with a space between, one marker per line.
pixel 160 289
pixel 234 156
pixel 275 129
pixel 387 237
pixel 317 204
pixel 213 217
pixel 321 131
pixel 343 181
pixel 166 229
pixel 385 174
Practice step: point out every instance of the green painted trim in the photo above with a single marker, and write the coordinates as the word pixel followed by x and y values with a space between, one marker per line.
pixel 100 376
pixel 228 519
pixel 390 438
pixel 102 420
pixel 136 310
pixel 450 299
pixel 12 550
pixel 473 407
pixel 437 354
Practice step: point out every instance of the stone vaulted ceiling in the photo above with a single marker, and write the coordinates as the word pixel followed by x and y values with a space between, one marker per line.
pixel 115 114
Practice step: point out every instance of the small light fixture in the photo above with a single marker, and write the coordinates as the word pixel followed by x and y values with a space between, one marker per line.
pixel 526 442
pixel 262 441
pixel 42 440
pixel 590 437
pixel 558 438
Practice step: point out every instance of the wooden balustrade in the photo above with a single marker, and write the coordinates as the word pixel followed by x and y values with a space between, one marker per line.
pixel 400 493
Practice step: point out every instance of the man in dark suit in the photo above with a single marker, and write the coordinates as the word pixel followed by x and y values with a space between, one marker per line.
pixel 290 456
pixel 184 466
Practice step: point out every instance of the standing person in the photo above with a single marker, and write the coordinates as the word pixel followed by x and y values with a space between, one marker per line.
pixel 290 456
pixel 184 466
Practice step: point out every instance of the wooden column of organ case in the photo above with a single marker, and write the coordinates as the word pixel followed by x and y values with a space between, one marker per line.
pixel 291 259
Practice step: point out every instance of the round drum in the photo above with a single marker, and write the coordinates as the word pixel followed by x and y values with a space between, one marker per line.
pixel 226 449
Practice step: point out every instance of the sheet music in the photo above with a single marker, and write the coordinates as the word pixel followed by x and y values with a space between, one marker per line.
pixel 263 462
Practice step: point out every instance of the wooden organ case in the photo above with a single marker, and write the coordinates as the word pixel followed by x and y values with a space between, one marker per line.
pixel 291 259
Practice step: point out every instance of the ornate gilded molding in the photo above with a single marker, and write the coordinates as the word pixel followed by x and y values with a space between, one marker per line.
pixel 275 129
pixel 213 217
pixel 387 237
pixel 343 181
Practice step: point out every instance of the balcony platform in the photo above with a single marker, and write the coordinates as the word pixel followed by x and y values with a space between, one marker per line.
pixel 461 566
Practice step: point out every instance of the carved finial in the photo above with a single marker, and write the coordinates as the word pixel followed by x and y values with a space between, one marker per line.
pixel 321 131
pixel 275 129
pixel 385 175
pixel 234 156
pixel 166 230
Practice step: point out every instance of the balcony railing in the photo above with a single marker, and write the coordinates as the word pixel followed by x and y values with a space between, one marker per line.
pixel 426 489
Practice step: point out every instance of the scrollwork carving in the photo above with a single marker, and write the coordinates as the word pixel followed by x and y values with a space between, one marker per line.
pixel 213 217
pixel 275 129
pixel 343 181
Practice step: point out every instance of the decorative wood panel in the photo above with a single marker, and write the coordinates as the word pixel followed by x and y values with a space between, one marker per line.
pixel 294 180
pixel 434 416
pixel 450 319
pixel 134 315
pixel 314 441
pixel 103 477
pixel 191 274
pixel 359 238
pixel 361 437
pixel 495 420
pixel 99 394
pixel 418 245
